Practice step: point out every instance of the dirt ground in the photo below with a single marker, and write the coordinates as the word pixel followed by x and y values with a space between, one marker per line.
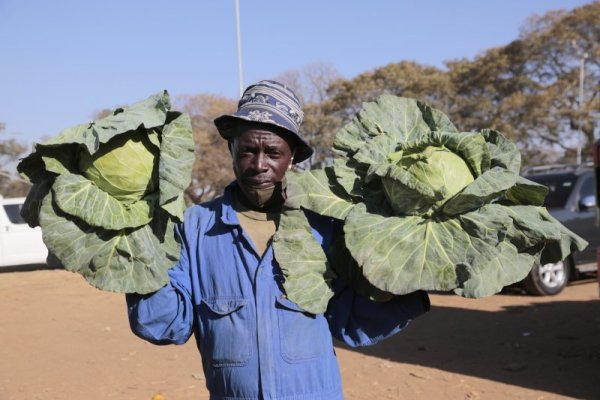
pixel 63 339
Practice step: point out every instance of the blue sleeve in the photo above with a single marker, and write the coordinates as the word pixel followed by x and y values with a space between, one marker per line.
pixel 167 315
pixel 358 321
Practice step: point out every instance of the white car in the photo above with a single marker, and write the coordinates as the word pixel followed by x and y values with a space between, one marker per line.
pixel 19 243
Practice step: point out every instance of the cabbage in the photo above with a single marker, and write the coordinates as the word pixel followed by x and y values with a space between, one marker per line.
pixel 127 168
pixel 423 206
pixel 435 167
pixel 107 194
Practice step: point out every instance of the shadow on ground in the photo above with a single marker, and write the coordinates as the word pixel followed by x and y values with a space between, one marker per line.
pixel 26 268
pixel 553 347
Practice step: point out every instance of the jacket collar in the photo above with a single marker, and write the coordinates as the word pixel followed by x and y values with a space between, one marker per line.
pixel 228 214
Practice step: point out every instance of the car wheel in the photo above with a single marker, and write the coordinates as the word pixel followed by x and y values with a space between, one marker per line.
pixel 548 279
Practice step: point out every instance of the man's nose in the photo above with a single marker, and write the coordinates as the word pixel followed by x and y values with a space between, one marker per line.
pixel 260 162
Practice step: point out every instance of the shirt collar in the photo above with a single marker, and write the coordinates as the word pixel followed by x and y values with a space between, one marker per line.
pixel 228 214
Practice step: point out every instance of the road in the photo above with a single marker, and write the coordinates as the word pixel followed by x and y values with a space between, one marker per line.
pixel 63 339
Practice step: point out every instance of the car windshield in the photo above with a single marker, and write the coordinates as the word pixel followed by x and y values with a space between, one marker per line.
pixel 559 188
pixel 13 211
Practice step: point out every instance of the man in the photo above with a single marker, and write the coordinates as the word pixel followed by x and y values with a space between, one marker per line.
pixel 227 287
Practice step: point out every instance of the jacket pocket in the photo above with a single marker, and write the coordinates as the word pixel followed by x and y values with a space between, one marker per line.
pixel 300 333
pixel 226 331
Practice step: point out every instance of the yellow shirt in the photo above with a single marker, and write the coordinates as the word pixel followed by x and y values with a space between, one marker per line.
pixel 260 226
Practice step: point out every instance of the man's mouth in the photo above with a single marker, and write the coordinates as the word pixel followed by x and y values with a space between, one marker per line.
pixel 258 183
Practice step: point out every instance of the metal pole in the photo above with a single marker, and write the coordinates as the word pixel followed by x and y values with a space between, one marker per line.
pixel 581 134
pixel 239 46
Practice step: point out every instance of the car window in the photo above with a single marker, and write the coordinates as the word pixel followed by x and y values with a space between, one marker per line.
pixel 13 211
pixel 559 188
pixel 587 187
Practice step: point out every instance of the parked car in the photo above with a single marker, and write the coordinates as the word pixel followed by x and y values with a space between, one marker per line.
pixel 19 243
pixel 571 200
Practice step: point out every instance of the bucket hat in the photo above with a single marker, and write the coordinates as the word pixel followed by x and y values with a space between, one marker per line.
pixel 272 103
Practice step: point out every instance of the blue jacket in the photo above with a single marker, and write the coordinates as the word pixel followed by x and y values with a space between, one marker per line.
pixel 254 342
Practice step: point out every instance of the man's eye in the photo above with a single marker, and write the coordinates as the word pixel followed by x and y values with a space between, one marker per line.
pixel 274 153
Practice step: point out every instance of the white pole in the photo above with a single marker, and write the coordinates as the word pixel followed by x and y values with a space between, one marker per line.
pixel 239 46
pixel 581 78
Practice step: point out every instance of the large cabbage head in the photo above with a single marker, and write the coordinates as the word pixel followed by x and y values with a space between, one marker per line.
pixel 435 167
pixel 126 166
pixel 108 193
pixel 423 206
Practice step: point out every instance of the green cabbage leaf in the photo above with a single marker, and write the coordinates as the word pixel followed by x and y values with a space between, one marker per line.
pixel 107 194
pixel 423 206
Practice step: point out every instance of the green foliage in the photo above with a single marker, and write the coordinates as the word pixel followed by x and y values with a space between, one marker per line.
pixel 303 262
pixel 424 207
pixel 107 194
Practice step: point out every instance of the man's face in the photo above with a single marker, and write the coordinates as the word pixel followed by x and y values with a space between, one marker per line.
pixel 260 158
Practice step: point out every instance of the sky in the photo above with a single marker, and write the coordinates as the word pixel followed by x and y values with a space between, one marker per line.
pixel 63 60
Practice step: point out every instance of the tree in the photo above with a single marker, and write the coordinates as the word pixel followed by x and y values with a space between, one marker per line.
pixel 406 78
pixel 558 42
pixel 212 169
pixel 527 89
pixel 11 185
pixel 494 91
pixel 311 84
pixel 104 112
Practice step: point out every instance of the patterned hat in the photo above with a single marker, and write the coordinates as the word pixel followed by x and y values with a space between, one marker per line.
pixel 272 103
